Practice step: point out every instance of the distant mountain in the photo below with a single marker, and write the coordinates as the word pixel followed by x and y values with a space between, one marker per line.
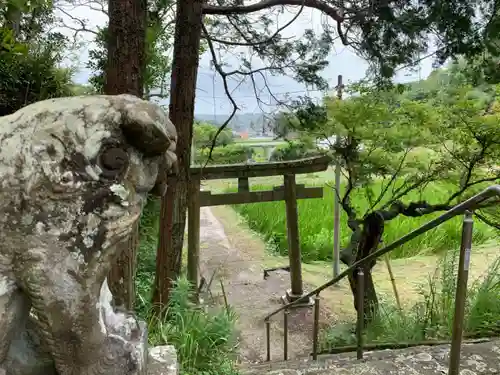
pixel 242 122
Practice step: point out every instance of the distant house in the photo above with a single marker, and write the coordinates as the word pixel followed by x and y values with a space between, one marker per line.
pixel 325 144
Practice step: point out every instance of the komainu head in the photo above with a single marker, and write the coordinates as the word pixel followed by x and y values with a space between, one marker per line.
pixel 78 169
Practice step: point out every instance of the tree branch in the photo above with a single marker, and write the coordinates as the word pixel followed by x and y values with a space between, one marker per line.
pixel 392 180
pixel 82 23
pixel 264 41
pixel 223 75
pixel 264 4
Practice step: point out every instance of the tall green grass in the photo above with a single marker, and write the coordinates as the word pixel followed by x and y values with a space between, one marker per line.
pixel 316 224
pixel 204 339
pixel 431 317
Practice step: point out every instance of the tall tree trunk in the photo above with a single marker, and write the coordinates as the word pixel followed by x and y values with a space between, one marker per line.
pixel 370 300
pixel 182 94
pixel 124 74
pixel 369 239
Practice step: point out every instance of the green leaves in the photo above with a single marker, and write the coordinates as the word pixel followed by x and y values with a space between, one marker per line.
pixel 224 152
pixel 9 45
pixel 408 141
pixel 204 136
pixel 30 55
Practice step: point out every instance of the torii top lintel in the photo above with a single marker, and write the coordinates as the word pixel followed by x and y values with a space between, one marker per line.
pixel 301 166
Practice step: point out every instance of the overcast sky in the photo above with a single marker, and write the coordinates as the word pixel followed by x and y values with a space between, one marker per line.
pixel 210 97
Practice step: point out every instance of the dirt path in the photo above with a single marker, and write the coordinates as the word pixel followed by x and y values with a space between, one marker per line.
pixel 240 268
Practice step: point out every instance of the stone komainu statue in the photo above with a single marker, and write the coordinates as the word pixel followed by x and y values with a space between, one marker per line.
pixel 74 173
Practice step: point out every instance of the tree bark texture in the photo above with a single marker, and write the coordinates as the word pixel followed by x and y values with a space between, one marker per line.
pixel 181 110
pixel 125 75
pixel 126 61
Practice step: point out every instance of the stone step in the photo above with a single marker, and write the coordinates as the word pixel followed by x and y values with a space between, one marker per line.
pixel 477 358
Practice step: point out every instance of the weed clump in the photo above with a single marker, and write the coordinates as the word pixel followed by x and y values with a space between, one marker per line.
pixel 204 338
pixel 431 317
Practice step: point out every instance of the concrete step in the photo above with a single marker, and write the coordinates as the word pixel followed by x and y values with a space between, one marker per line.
pixel 477 358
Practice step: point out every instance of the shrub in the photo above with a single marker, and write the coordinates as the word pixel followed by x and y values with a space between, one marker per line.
pixel 231 154
pixel 294 150
pixel 30 73
pixel 204 134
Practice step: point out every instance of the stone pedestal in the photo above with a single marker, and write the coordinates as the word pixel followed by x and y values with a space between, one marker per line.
pixel 163 361
pixel 290 297
pixel 27 356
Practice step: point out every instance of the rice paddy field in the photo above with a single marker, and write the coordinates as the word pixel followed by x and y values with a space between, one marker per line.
pixel 316 224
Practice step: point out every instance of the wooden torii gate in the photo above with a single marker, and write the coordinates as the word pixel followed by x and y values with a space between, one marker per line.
pixel 289 192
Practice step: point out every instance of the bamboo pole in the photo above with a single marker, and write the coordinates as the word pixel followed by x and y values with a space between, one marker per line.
pixel 393 281
pixel 336 212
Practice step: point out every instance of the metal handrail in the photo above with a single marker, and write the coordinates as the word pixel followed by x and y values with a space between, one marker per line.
pixel 458 209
